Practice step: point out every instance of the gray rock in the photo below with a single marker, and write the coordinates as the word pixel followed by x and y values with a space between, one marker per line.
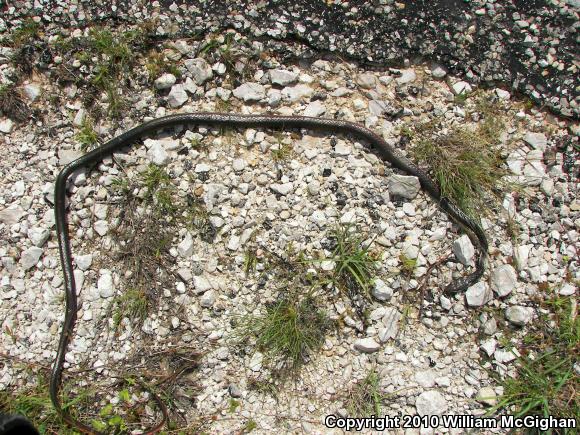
pixel 534 173
pixel 250 92
pixel 30 257
pixel 79 277
pixel 490 327
pixel 67 156
pixel 201 167
pixel 105 285
pixel 431 403
pixel 83 262
pixel 478 294
pixel 377 107
pixel 366 345
pixel 101 227
pixel 200 70
pixel 314 187
pixel 381 291
pixel 239 165
pixel 208 299
pixel 391 321
pixel 315 109
pixel 407 76
pixel 185 247
pixel 282 189
pixel 165 81
pixel 519 315
pixel 256 362
pixel 157 154
pixel 461 88
pixel 234 243
pixel 404 186
pixel 18 189
pixel 80 118
pixel 537 141
pixel 502 95
pixel 438 71
pixel 567 289
pixel 177 96
pixel 489 346
pixel 503 280
pixel 6 125
pixel 235 391
pixel 38 236
pixel 12 214
pixel 31 91
pixel 445 302
pixel 201 284
pixel 297 92
pixel 366 80
pixel 504 356
pixel 283 77
pixel 426 378
pixel 463 249
pixel 521 254
pixel 487 396
pixel 342 149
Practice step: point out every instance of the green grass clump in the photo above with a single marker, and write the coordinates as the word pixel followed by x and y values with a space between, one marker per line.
pixel 154 178
pixel 282 153
pixel 157 64
pixel 354 264
pixel 250 261
pixel 365 398
pixel 25 33
pixel 546 382
pixel 142 241
pixel 466 163
pixel 87 136
pixel 227 53
pixel 33 402
pixel 408 265
pixel 288 332
pixel 249 426
pixel 159 190
pixel 133 304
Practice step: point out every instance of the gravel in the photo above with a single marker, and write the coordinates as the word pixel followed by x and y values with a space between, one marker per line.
pixel 253 202
pixel 431 403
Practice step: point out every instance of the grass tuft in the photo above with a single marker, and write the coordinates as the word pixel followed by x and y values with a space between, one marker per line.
pixel 25 33
pixel 157 64
pixel 408 265
pixel 354 264
pixel 287 332
pixel 466 163
pixel 365 397
pixel 546 382
pixel 227 53
pixel 133 304
pixel 142 241
pixel 87 136
pixel 282 153
pixel 12 103
pixel 33 402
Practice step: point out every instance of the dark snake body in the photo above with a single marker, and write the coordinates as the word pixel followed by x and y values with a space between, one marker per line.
pixel 386 151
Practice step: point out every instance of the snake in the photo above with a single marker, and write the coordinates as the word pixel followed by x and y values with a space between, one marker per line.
pixel 231 120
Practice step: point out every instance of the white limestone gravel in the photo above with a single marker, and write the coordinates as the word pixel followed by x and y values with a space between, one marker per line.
pixel 434 365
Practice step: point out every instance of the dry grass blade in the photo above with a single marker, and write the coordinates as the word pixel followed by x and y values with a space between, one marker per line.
pixel 12 104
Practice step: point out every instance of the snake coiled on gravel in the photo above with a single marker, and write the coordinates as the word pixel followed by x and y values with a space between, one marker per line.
pixel 374 142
